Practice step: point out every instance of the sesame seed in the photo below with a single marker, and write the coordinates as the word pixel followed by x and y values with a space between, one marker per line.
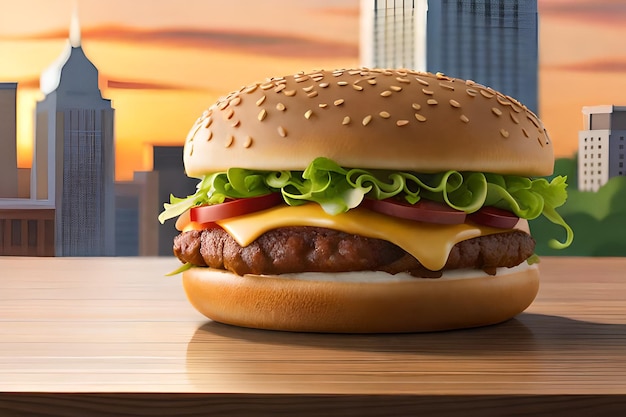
pixel 367 119
pixel 248 142
pixel 229 114
pixel 401 123
pixel 322 105
pixel 496 111
pixel 525 132
pixel 354 72
pixel 282 132
pixel 447 86
pixel 262 115
pixel 455 103
pixel 357 87
pixel 308 88
pixel 209 120
pixel 427 92
pixel 504 133
pixel 323 85
pixel 302 78
pixel 290 93
pixel 432 101
pixel 423 82
pixel 502 100
pixel 386 93
pixel 416 106
pixel 514 118
pixel 486 94
pixel 471 92
pixel 403 80
pixel 533 120
pixel 337 74
pixel 384 114
pixel 540 142
pixel 235 101
pixel 342 83
pixel 229 141
pixel 209 136
pixel 222 105
pixel 420 118
pixel 396 88
pixel 312 94
pixel 338 102
pixel 280 88
pixel 267 86
pixel 250 89
pixel 236 123
pixel 191 149
pixel 346 120
pixel 464 118
pixel 441 76
pixel 261 100
pixel 308 114
pixel 280 107
pixel 371 81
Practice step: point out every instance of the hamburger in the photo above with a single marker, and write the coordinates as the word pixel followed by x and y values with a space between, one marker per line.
pixel 363 201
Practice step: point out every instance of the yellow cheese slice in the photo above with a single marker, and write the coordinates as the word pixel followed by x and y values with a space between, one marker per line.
pixel 429 243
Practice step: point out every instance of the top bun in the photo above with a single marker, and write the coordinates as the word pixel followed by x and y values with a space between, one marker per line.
pixel 369 118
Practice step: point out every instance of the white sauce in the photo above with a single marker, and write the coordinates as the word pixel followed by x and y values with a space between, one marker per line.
pixel 378 276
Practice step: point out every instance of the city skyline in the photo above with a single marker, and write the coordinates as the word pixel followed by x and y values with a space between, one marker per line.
pixel 163 69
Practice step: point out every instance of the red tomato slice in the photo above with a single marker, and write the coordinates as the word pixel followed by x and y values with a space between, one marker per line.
pixel 423 211
pixel 233 208
pixel 494 217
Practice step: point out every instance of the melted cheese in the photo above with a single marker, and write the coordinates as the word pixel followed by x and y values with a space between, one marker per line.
pixel 427 242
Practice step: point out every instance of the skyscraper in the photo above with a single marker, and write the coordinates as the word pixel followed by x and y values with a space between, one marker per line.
pixel 601 146
pixel 493 42
pixel 74 162
pixel 8 155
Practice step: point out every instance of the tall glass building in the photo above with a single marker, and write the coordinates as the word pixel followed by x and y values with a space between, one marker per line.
pixel 74 161
pixel 493 42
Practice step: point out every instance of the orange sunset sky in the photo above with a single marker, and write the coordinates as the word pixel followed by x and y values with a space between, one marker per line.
pixel 162 62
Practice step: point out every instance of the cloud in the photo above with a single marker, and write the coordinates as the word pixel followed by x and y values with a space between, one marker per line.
pixel 143 85
pixel 588 11
pixel 232 40
pixel 32 82
pixel 614 65
pixel 28 83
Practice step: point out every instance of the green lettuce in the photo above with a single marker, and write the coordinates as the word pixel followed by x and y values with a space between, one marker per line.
pixel 337 190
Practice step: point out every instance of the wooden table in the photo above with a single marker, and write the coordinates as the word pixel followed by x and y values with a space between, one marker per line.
pixel 114 335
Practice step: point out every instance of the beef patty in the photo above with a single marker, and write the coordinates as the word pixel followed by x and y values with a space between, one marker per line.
pixel 316 249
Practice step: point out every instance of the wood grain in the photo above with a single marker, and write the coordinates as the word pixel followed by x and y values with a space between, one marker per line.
pixel 114 334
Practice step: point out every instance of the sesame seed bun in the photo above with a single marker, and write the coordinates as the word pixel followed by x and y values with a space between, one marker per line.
pixel 367 118
pixel 384 305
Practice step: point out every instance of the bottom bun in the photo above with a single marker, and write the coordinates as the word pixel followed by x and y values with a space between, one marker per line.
pixel 392 306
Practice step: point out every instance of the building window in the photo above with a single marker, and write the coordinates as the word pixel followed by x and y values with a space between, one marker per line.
pixel 621 165
pixel 621 138
pixel 621 156
pixel 621 146
pixel 599 155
